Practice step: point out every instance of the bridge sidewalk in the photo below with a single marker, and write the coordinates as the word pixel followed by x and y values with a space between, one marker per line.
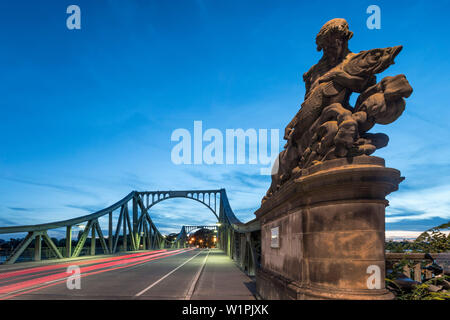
pixel 221 279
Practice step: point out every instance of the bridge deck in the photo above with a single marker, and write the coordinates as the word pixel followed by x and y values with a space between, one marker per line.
pixel 162 274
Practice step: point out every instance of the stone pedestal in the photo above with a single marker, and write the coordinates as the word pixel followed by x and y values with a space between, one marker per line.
pixel 331 230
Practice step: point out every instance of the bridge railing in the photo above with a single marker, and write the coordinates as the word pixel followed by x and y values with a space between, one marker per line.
pixel 241 241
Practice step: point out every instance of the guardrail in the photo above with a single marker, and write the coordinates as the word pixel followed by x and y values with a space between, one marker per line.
pixel 241 241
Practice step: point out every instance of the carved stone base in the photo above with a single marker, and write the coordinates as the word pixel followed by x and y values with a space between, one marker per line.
pixel 331 229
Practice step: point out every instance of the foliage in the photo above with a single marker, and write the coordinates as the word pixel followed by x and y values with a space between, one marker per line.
pixel 432 240
pixel 398 246
pixel 397 269
pixel 421 291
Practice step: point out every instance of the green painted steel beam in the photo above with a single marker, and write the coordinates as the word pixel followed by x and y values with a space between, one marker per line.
pixel 37 247
pixel 68 241
pixel 51 245
pixel 82 239
pixel 20 248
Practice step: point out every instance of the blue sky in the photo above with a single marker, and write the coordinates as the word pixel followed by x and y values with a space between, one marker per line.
pixel 87 115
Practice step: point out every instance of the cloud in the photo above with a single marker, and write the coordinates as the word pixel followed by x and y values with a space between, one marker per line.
pixel 422 204
pixel 436 122
pixel 19 209
pixel 246 179
pixel 134 181
pixel 402 234
pixel 415 225
pixel 6 222
pixel 49 185
pixel 245 187
pixel 88 208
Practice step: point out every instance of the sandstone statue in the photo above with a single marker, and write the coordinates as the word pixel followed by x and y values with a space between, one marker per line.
pixel 327 127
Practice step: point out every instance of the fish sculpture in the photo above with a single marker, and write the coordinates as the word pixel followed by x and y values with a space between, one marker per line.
pixel 357 70
pixel 327 127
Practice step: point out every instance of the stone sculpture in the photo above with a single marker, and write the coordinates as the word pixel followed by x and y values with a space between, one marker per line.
pixel 327 127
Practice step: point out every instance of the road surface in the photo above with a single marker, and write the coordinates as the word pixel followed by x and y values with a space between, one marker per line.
pixel 160 274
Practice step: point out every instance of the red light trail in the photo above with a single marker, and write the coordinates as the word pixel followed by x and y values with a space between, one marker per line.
pixel 108 264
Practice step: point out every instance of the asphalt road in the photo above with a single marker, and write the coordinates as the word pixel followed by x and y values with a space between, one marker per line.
pixel 162 274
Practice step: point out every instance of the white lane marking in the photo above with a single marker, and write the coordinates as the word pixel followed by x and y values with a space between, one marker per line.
pixel 196 278
pixel 161 279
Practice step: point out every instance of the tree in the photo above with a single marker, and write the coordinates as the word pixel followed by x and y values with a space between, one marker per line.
pixel 430 241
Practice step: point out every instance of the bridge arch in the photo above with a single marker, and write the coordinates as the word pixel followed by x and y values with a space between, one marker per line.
pixel 149 198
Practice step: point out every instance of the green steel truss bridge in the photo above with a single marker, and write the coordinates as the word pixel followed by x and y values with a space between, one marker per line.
pixel 129 219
